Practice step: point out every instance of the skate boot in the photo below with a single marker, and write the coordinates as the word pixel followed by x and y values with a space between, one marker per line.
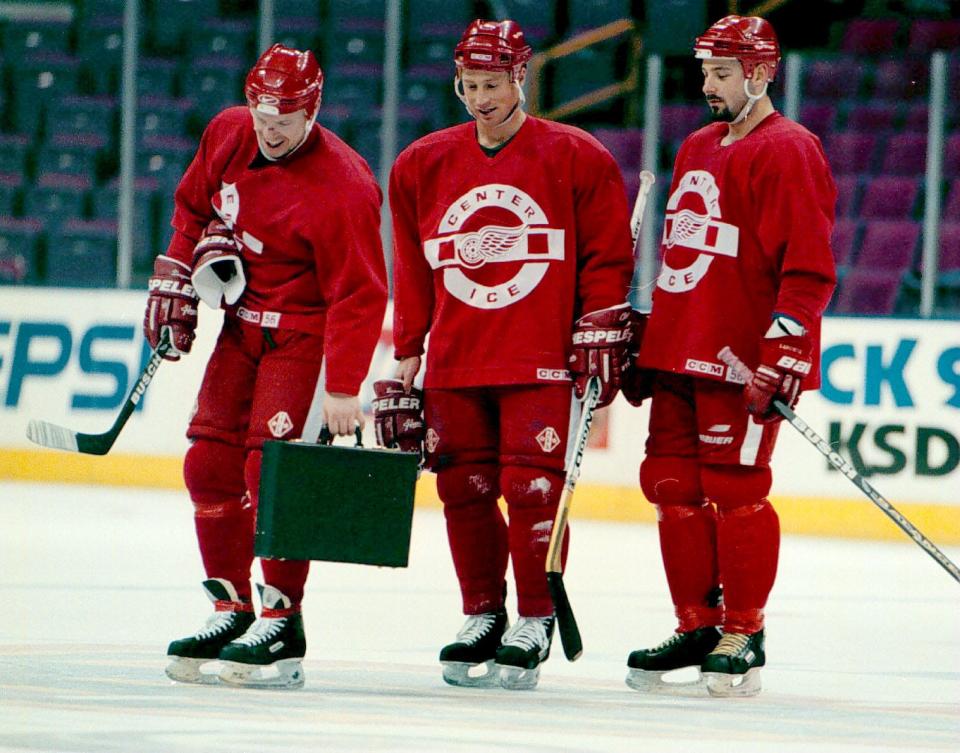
pixel 230 620
pixel 474 650
pixel 524 648
pixel 648 666
pixel 270 653
pixel 733 667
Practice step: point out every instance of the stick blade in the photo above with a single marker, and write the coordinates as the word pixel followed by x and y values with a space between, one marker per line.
pixel 50 435
pixel 566 622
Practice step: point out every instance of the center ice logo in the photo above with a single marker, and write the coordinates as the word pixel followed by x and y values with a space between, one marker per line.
pixel 693 230
pixel 529 241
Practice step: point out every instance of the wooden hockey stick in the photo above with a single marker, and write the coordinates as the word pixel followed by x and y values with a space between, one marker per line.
pixel 57 437
pixel 566 622
pixel 846 468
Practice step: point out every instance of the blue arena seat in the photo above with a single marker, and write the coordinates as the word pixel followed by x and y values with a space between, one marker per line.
pixel 214 83
pixel 100 48
pixel 589 14
pixel 165 158
pixel 172 20
pixel 83 253
pixel 37 80
pixel 162 116
pixel 77 114
pixel 14 152
pixel 19 249
pixel 157 76
pixel 81 154
pixel 19 37
pixel 146 193
pixel 57 198
pixel 219 37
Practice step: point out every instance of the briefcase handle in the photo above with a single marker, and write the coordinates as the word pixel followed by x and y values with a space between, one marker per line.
pixel 327 438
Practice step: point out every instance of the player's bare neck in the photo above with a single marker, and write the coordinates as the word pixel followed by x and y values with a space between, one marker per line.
pixel 737 131
pixel 500 134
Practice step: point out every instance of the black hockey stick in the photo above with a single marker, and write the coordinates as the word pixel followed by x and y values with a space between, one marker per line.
pixel 846 468
pixel 566 622
pixel 47 434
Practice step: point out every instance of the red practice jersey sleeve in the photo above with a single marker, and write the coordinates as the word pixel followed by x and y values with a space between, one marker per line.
pixel 309 230
pixel 746 234
pixel 496 256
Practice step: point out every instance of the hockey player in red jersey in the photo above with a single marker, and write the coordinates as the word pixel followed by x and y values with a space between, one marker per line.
pixel 746 263
pixel 511 235
pixel 277 221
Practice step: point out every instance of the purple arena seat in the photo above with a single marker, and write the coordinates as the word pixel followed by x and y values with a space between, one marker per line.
pixel 836 78
pixel 625 144
pixel 951 156
pixel 949 259
pixel 905 154
pixel 851 152
pixel 888 244
pixel 818 117
pixel 870 36
pixel 889 197
pixel 843 241
pixel 679 121
pixel 951 207
pixel 868 291
pixel 848 189
pixel 871 117
pixel 927 35
pixel 901 78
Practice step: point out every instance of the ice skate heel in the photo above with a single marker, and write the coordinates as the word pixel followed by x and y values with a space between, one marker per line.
pixel 270 654
pixel 732 669
pixel 524 648
pixel 659 670
pixel 469 661
pixel 230 620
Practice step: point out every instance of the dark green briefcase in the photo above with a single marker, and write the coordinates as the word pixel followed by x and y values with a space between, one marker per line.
pixel 335 504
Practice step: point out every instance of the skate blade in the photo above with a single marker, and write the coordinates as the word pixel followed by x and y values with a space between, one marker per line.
pixel 517 678
pixel 656 683
pixel 466 675
pixel 284 674
pixel 181 669
pixel 721 685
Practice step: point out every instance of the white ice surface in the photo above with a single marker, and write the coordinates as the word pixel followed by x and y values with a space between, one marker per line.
pixel 863 647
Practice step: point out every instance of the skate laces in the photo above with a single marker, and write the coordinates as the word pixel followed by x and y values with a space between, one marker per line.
pixel 476 627
pixel 263 630
pixel 528 633
pixel 218 622
pixel 731 644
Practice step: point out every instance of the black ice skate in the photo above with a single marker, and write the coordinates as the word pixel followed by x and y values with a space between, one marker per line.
pixel 230 620
pixel 468 661
pixel 733 667
pixel 524 648
pixel 270 653
pixel 650 666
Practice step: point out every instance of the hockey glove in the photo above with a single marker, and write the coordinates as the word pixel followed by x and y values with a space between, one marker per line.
pixel 398 416
pixel 217 269
pixel 636 383
pixel 601 341
pixel 171 302
pixel 785 359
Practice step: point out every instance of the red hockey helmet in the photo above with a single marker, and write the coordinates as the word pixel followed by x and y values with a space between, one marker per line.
pixel 749 39
pixel 492 46
pixel 284 80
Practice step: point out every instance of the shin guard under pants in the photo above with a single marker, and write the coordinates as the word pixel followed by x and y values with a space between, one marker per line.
pixel 688 538
pixel 748 542
pixel 223 514
pixel 532 495
pixel 477 533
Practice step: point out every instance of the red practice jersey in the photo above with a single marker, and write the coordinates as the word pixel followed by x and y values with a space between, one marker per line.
pixel 309 230
pixel 746 234
pixel 496 256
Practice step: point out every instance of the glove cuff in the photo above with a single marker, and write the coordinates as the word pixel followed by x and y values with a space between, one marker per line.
pixel 218 276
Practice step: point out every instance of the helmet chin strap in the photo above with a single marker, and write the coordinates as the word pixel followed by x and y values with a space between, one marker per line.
pixel 752 100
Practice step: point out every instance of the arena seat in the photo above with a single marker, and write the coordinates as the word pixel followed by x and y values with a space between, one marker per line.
pixel 927 35
pixel 19 249
pixel 889 197
pixel 905 154
pixel 870 36
pixel 889 244
pixel 57 198
pixel 82 253
pixel 851 152
pixel 848 194
pixel 868 291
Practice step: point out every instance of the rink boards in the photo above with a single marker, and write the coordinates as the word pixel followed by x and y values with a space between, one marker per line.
pixel 890 403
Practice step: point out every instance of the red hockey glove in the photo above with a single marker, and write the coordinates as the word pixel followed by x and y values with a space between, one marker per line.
pixel 398 416
pixel 171 302
pixel 217 269
pixel 785 359
pixel 636 383
pixel 601 341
